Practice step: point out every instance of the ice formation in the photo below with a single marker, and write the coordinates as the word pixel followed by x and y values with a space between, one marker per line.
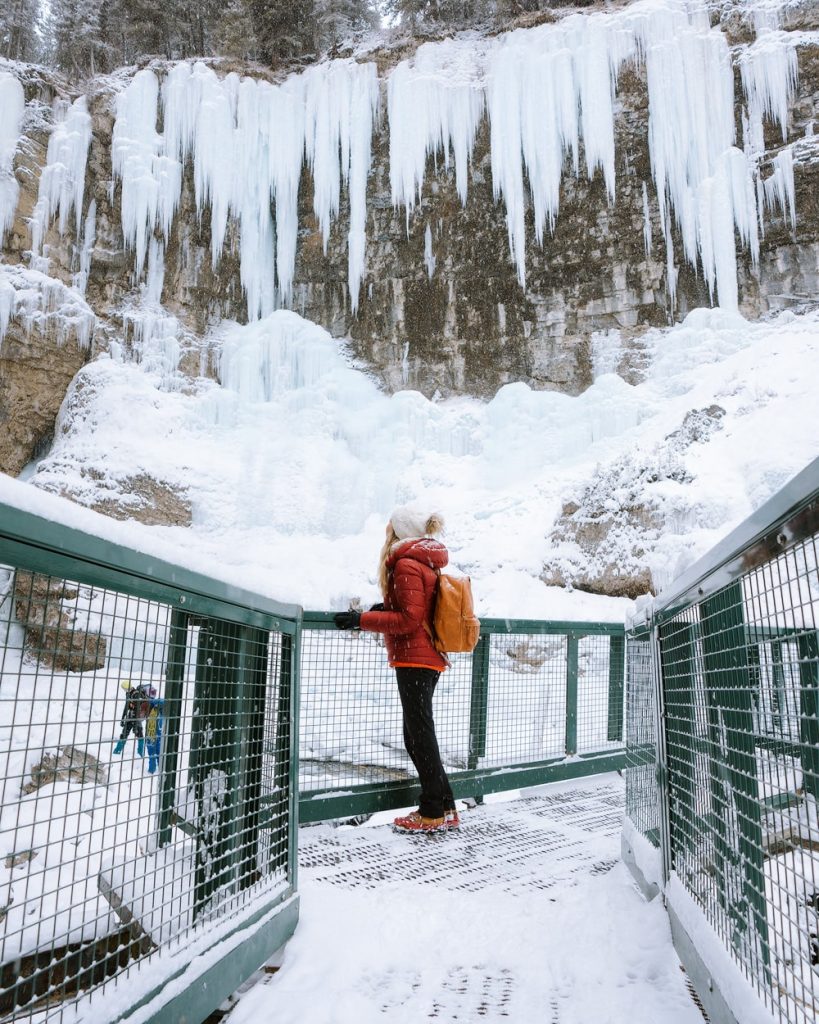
pixel 551 87
pixel 12 107
pixel 435 103
pixel 62 182
pixel 549 94
pixel 247 141
pixel 43 304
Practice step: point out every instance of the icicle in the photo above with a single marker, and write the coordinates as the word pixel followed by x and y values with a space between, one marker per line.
pixel 779 188
pixel 152 295
pixel 504 100
pixel 44 304
pixel 7 302
pixel 12 107
pixel 246 140
pixel 544 89
pixel 155 340
pixel 286 118
pixel 249 199
pixel 435 102
pixel 215 152
pixel 326 96
pixel 670 266
pixel 646 222
pixel 88 238
pixel 151 181
pixel 765 17
pixel 363 109
pixel 739 171
pixel 769 70
pixel 429 255
pixel 547 87
pixel 62 182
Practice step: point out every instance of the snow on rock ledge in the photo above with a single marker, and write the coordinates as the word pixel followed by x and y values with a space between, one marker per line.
pixel 45 305
pixel 45 336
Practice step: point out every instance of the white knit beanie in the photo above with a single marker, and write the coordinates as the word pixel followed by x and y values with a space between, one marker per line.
pixel 411 522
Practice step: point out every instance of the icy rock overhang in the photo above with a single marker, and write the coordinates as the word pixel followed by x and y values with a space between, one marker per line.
pixel 549 94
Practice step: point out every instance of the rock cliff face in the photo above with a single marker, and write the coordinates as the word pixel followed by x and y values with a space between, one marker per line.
pixel 441 308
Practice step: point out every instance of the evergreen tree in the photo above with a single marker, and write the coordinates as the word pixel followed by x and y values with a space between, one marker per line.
pixel 196 27
pixel 233 34
pixel 77 42
pixel 284 29
pixel 149 28
pixel 336 20
pixel 19 39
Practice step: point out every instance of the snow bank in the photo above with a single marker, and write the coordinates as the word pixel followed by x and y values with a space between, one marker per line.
pixel 294 463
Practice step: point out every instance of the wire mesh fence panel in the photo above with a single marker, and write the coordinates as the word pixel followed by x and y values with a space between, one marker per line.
pixel 350 715
pixel 525 699
pixel 741 692
pixel 642 799
pixel 529 694
pixel 781 606
pixel 600 692
pixel 144 760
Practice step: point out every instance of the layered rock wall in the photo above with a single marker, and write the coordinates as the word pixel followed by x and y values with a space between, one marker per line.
pixel 441 308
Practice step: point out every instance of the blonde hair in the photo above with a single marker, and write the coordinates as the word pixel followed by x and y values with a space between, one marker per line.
pixel 435 524
pixel 383 572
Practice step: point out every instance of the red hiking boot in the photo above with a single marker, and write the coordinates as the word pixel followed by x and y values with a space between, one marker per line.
pixel 451 819
pixel 416 822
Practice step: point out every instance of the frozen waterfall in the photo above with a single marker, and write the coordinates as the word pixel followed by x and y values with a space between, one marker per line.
pixel 549 95
pixel 12 107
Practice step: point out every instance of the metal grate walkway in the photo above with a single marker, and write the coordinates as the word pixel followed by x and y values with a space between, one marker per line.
pixel 524 915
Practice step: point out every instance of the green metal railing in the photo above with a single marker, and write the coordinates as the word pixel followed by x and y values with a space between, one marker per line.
pixel 148 745
pixel 533 703
pixel 734 681
pixel 642 803
pixel 162 732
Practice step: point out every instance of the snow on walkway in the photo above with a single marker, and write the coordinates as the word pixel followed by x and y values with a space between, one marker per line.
pixel 526 915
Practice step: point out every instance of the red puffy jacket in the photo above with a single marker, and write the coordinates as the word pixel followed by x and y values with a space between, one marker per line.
pixel 408 604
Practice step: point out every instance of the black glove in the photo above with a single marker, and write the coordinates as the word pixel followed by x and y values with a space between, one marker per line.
pixel 377 607
pixel 347 620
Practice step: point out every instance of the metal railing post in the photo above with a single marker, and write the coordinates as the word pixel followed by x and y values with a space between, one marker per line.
pixel 214 772
pixel 284 769
pixel 172 714
pixel 571 694
pixel 808 645
pixel 478 698
pixel 251 688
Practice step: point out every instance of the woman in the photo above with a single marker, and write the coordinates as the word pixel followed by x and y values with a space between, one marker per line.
pixel 407 574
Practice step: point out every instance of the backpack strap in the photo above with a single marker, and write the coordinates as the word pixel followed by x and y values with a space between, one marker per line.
pixel 429 629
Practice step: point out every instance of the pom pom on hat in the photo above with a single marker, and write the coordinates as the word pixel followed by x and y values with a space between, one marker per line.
pixel 410 522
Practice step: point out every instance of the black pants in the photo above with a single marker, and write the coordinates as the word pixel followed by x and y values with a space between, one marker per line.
pixel 416 687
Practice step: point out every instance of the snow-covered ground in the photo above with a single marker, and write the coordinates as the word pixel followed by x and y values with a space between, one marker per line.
pixel 526 915
pixel 293 464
